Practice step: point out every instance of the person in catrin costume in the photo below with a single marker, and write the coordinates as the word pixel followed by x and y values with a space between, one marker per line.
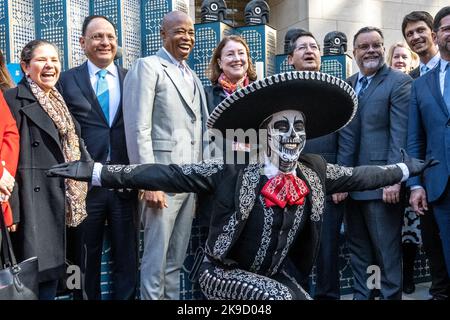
pixel 270 209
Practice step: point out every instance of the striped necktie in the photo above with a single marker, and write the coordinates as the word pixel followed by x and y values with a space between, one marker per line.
pixel 102 92
pixel 364 83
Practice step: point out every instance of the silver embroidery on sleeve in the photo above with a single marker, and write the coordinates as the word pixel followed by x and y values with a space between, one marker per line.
pixel 247 193
pixel 265 238
pixel 335 172
pixel 120 167
pixel 223 242
pixel 205 168
pixel 290 238
pixel 317 194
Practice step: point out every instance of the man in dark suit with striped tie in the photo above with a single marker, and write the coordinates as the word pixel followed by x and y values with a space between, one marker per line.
pixel 93 93
pixel 373 219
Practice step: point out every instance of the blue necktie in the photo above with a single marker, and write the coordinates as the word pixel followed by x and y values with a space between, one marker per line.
pixel 424 69
pixel 102 92
pixel 447 86
pixel 364 83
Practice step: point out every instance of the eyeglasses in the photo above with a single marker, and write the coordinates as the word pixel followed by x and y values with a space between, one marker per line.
pixel 366 46
pixel 304 47
pixel 101 36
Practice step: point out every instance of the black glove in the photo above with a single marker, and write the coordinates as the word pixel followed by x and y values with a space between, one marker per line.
pixel 77 170
pixel 415 166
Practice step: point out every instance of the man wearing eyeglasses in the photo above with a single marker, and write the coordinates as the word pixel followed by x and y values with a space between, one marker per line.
pixel 304 55
pixel 165 115
pixel 373 219
pixel 93 93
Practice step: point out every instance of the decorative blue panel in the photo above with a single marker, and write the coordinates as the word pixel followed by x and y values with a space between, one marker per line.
pixel 17 27
pixel 51 25
pixel 339 66
pixel 152 12
pixel 77 11
pixel 281 63
pixel 207 37
pixel 261 40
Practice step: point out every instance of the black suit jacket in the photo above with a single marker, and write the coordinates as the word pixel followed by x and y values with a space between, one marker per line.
pixel 82 102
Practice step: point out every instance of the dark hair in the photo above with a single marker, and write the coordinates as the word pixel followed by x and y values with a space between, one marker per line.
pixel 300 33
pixel 445 11
pixel 88 20
pixel 416 16
pixel 214 70
pixel 5 79
pixel 367 30
pixel 27 52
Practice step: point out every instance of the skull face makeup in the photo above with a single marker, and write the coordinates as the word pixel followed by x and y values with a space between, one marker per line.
pixel 286 138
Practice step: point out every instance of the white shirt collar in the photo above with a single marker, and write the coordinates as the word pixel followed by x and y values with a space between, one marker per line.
pixel 270 170
pixel 93 69
pixel 174 61
pixel 432 63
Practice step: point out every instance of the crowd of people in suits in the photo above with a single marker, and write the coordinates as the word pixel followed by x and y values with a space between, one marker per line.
pixel 157 112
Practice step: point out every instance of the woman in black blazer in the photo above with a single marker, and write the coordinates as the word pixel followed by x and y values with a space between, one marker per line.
pixel 48 136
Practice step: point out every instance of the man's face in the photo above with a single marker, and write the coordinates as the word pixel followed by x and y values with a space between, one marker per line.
pixel 179 37
pixel 306 55
pixel 369 52
pixel 286 137
pixel 99 42
pixel 419 37
pixel 443 38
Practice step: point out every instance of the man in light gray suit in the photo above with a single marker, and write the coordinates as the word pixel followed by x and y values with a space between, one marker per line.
pixel 373 219
pixel 164 113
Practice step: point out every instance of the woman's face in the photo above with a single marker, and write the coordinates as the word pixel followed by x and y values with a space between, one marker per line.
pixel 233 60
pixel 401 59
pixel 44 67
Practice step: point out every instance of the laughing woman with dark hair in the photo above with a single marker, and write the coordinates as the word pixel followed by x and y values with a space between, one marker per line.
pixel 48 136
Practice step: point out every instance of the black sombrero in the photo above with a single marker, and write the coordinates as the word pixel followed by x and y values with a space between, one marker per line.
pixel 328 103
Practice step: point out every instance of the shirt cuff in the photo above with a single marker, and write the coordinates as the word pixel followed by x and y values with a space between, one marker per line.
pixel 404 170
pixel 415 187
pixel 96 174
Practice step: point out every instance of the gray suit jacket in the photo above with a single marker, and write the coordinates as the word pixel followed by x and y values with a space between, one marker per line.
pixel 162 124
pixel 379 129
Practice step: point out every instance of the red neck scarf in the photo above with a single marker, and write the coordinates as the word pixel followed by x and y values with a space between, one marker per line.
pixel 230 87
pixel 283 189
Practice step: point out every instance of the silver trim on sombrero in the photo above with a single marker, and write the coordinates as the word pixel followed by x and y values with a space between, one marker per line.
pixel 282 77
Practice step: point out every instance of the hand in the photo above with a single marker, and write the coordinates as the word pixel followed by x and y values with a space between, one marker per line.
pixel 12 228
pixel 415 166
pixel 338 197
pixel 154 199
pixel 418 201
pixel 391 194
pixel 77 170
pixel 6 183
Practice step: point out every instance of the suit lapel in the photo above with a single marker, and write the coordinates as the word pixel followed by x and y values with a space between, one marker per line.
pixel 36 113
pixel 122 73
pixel 84 83
pixel 175 76
pixel 435 88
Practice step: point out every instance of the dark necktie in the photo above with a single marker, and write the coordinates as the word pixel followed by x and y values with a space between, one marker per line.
pixel 447 86
pixel 364 82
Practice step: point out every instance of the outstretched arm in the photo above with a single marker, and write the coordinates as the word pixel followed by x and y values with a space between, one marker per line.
pixel 201 177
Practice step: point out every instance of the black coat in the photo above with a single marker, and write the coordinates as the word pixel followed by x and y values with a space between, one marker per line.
pixel 240 232
pixel 40 201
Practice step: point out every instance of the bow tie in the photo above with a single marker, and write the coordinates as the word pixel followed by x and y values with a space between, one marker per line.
pixel 284 189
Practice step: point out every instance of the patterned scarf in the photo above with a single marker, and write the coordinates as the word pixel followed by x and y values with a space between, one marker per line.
pixel 230 87
pixel 76 191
